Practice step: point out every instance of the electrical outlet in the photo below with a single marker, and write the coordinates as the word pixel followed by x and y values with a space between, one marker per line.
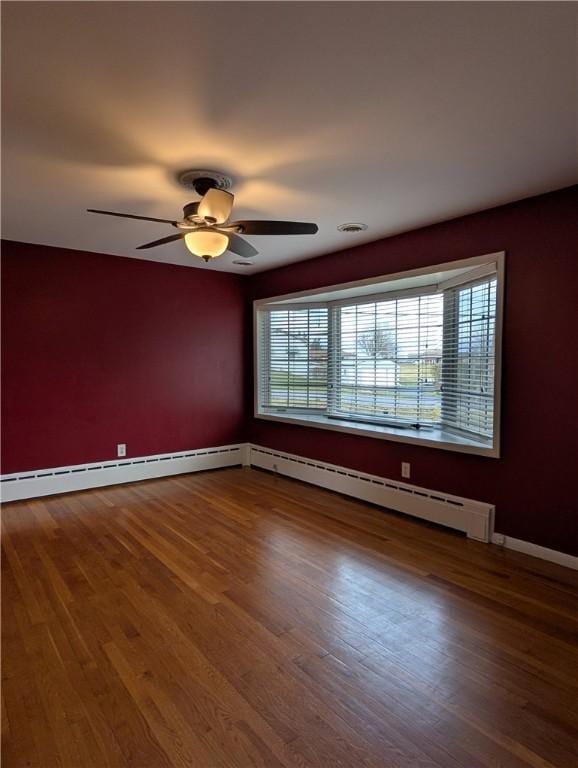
pixel 406 469
pixel 121 449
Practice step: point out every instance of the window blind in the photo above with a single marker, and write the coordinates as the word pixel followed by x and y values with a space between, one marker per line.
pixel 293 359
pixel 468 366
pixel 385 360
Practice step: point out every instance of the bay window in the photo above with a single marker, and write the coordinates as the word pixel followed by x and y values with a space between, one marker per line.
pixel 410 357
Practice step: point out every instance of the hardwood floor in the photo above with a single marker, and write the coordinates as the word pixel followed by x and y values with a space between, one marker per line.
pixel 235 618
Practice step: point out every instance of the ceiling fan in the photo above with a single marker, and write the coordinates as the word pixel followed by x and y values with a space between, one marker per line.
pixel 205 226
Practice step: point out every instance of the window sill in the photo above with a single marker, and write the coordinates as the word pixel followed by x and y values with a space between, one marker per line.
pixel 434 438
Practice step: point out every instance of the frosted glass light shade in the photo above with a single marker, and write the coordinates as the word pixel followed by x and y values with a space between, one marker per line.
pixel 205 243
pixel 215 206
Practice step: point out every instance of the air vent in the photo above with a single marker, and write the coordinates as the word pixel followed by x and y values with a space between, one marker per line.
pixel 352 227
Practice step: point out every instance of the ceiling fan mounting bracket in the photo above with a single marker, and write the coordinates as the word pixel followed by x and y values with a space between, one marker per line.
pixel 202 180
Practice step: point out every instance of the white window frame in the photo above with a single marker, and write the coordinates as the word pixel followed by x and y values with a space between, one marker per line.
pixel 444 439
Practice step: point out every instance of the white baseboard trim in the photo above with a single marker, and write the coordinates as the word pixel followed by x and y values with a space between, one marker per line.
pixel 80 477
pixel 474 518
pixel 519 545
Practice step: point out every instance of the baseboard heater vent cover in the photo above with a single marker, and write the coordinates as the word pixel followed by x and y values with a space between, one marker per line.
pixel 474 518
pixel 79 477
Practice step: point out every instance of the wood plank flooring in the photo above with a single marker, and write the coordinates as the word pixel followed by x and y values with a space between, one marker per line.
pixel 235 618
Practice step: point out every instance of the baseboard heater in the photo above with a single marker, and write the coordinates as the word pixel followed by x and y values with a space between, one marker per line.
pixel 474 518
pixel 79 477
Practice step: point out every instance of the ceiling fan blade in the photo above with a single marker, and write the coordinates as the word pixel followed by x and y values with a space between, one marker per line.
pixel 239 246
pixel 132 216
pixel 215 206
pixel 162 241
pixel 275 227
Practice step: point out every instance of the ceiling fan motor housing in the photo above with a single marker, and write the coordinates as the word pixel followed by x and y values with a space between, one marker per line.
pixel 190 210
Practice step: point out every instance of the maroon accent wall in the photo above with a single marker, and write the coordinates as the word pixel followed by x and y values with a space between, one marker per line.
pixel 535 483
pixel 99 350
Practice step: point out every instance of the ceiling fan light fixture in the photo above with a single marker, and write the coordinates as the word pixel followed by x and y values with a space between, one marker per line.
pixel 205 225
pixel 215 206
pixel 206 244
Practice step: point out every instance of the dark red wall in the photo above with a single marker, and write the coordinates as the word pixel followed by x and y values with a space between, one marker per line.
pixel 99 350
pixel 535 483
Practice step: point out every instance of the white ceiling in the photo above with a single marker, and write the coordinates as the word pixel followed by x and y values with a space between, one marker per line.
pixel 393 114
